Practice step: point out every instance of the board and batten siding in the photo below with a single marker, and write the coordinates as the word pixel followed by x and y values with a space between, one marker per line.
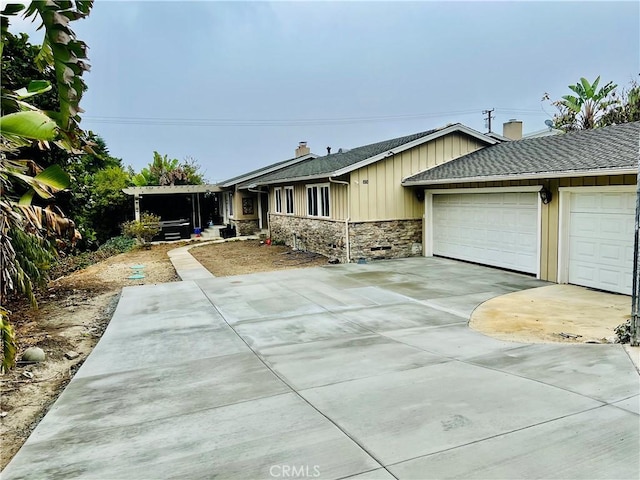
pixel 238 197
pixel 377 192
pixel 550 213
pixel 337 199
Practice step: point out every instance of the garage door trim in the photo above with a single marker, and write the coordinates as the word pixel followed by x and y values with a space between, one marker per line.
pixel 427 232
pixel 564 224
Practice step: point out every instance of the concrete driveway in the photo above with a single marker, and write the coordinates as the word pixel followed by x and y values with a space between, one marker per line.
pixel 347 371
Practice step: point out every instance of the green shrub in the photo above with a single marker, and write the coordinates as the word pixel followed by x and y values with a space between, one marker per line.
pixel 117 245
pixel 111 247
pixel 623 332
pixel 7 342
pixel 142 230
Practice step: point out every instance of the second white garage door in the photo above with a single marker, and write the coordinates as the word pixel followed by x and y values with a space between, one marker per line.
pixel 601 228
pixel 498 229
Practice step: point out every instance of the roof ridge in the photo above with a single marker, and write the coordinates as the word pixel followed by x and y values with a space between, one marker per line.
pixel 584 131
pixel 412 136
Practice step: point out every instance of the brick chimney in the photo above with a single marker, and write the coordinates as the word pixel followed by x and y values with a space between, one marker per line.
pixel 512 129
pixel 302 149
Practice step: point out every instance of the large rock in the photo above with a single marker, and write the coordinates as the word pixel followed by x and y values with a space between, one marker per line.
pixel 33 354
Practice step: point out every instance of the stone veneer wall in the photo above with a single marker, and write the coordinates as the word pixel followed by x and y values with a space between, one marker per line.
pixel 385 239
pixel 369 240
pixel 317 235
pixel 245 227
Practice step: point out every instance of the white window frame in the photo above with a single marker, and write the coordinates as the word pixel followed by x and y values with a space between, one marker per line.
pixel 289 200
pixel 277 200
pixel 318 200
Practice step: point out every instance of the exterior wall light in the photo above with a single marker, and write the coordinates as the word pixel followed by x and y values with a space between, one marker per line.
pixel 545 195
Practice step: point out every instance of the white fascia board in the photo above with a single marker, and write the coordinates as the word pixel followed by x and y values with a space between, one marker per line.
pixel 599 188
pixel 171 189
pixel 406 146
pixel 267 170
pixel 455 191
pixel 296 179
pixel 524 176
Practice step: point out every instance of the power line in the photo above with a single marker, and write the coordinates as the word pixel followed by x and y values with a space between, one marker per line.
pixel 274 122
pixel 264 122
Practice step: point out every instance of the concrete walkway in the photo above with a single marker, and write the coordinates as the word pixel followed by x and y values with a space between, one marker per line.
pixel 187 267
pixel 347 371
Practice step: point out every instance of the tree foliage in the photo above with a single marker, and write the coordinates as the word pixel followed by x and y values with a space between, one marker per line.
pixel 96 200
pixel 165 171
pixel 625 107
pixel 19 69
pixel 593 106
pixel 26 229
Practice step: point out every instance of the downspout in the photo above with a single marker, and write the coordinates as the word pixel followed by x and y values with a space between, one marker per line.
pixel 348 219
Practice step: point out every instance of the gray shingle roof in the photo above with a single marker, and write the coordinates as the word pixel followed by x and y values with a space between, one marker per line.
pixel 263 170
pixel 608 148
pixel 325 166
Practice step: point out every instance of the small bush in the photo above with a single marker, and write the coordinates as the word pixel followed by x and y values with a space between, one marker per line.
pixel 142 230
pixel 7 342
pixel 623 332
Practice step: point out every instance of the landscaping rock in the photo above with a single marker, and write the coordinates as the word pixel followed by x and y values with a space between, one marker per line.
pixel 71 355
pixel 33 354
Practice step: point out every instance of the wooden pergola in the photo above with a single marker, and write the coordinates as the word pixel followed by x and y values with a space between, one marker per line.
pixel 193 190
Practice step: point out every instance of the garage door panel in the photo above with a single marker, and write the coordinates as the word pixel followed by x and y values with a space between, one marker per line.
pixel 498 229
pixel 612 253
pixel 621 203
pixel 601 229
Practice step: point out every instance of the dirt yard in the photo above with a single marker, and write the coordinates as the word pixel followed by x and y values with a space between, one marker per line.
pixel 251 256
pixel 75 310
pixel 554 313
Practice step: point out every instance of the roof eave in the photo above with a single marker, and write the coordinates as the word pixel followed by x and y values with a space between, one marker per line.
pixel 294 179
pixel 171 189
pixel 427 138
pixel 525 176
pixel 244 178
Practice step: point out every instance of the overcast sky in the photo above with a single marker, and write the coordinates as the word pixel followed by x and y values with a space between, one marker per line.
pixel 236 85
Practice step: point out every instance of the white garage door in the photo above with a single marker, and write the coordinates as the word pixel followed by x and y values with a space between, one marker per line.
pixel 601 240
pixel 498 229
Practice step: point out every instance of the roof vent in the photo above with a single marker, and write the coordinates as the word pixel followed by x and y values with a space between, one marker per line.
pixel 328 150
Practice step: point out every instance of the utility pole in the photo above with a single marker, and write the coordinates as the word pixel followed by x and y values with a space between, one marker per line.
pixel 488 118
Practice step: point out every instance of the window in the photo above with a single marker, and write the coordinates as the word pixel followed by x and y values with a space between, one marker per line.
pixel 231 204
pixel 318 200
pixel 277 193
pixel 288 194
